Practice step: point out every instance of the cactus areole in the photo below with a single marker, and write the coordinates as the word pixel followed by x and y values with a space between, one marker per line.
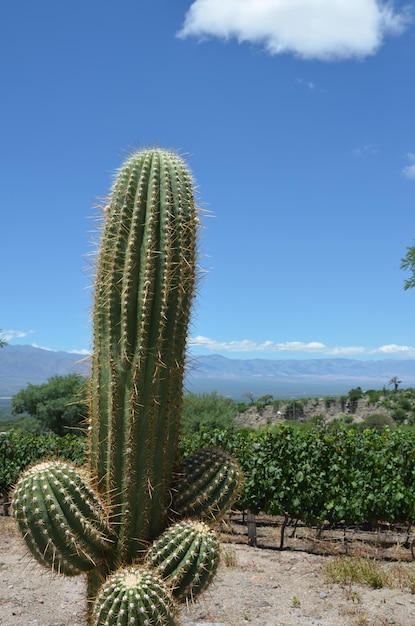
pixel 145 283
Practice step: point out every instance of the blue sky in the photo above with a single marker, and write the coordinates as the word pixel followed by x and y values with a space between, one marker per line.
pixel 297 120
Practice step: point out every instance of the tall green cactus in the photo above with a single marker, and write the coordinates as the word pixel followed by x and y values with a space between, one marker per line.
pixel 145 284
pixel 144 289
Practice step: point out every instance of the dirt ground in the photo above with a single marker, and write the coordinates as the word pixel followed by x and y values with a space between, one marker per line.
pixel 261 586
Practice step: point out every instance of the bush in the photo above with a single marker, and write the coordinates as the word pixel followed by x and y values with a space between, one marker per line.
pixel 207 412
pixel 294 410
pixel 378 421
pixel 58 405
pixel 18 451
pixel 399 415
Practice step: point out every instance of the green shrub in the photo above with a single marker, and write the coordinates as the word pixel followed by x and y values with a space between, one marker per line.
pixel 19 450
pixel 207 412
pixel 378 421
pixel 294 410
pixel 399 415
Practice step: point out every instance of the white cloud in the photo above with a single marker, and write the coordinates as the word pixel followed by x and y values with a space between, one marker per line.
pixel 312 347
pixel 82 352
pixel 16 334
pixel 311 29
pixel 409 170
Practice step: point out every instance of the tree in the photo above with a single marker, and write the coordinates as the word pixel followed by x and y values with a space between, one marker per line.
pixel 250 397
pixel 395 382
pixel 408 263
pixel 3 341
pixel 208 411
pixel 58 404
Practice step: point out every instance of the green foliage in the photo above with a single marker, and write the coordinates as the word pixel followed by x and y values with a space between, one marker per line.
pixel 3 341
pixel 355 394
pixel 328 402
pixel 408 263
pixel 264 401
pixel 378 421
pixel 316 475
pixel 18 451
pixel 323 475
pixel 294 410
pixel 399 415
pixel 374 395
pixel 28 425
pixel 58 405
pixel 208 411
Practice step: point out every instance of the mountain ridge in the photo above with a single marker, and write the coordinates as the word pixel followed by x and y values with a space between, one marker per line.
pixel 24 364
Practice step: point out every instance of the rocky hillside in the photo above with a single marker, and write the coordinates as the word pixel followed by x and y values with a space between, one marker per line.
pixel 328 408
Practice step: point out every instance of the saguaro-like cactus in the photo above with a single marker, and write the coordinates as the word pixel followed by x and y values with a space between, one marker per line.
pixel 144 288
pixel 145 283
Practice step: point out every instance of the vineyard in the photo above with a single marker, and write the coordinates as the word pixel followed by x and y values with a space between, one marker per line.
pixel 319 476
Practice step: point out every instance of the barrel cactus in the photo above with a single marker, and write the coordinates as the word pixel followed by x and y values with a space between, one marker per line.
pixel 119 522
pixel 186 555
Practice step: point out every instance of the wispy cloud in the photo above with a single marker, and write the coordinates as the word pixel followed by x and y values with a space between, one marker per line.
pixel 312 347
pixel 81 352
pixel 9 335
pixel 366 150
pixel 409 170
pixel 311 29
pixel 309 84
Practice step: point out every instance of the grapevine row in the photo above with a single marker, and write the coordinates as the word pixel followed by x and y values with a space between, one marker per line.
pixel 316 476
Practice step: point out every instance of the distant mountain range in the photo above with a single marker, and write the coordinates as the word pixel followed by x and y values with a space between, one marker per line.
pixel 295 377
pixel 20 365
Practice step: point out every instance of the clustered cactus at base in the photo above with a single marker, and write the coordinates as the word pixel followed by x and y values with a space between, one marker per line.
pixel 137 521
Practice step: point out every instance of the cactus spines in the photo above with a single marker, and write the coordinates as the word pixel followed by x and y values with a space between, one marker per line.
pixel 186 555
pixel 133 596
pixel 207 484
pixel 62 521
pixel 144 290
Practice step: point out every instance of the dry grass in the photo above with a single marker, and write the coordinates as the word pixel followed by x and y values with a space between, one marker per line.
pixel 228 556
pixel 8 527
pixel 349 571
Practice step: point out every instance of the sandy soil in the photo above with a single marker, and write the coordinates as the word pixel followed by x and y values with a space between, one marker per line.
pixel 254 586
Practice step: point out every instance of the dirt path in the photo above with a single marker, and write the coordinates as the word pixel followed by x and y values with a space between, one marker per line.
pixel 254 586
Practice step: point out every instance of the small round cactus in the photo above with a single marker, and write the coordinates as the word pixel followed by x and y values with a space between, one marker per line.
pixel 133 596
pixel 207 484
pixel 187 557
